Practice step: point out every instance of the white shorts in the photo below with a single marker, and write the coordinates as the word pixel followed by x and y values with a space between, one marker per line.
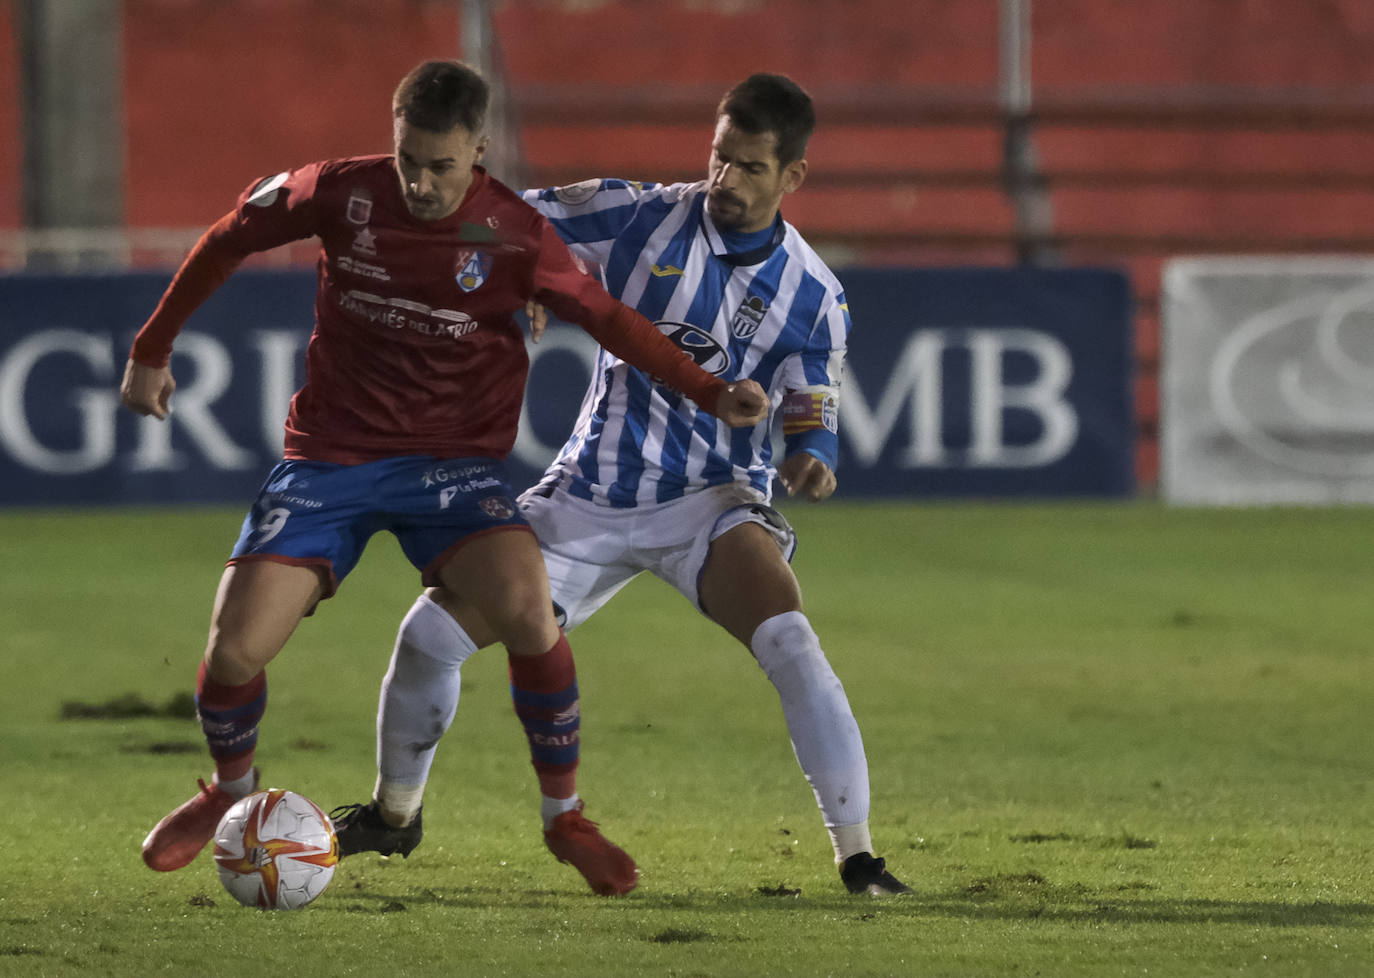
pixel 593 551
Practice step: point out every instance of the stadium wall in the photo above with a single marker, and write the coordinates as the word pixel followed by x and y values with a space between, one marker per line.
pixel 219 91
pixel 11 126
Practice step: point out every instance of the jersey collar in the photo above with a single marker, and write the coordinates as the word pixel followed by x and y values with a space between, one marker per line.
pixel 743 258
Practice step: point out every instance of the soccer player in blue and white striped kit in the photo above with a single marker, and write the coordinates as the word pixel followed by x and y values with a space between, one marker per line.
pixel 649 482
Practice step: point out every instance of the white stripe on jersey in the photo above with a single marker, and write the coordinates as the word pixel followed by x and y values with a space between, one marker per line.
pixel 637 443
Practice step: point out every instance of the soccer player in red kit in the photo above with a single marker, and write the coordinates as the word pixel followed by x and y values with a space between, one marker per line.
pixel 415 374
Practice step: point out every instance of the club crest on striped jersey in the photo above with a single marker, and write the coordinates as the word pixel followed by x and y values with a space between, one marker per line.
pixel 473 269
pixel 698 344
pixel 749 316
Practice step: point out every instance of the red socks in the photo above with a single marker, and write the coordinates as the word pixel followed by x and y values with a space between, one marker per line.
pixel 229 717
pixel 544 689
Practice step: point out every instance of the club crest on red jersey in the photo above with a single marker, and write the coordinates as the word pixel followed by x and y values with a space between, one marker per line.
pixel 473 269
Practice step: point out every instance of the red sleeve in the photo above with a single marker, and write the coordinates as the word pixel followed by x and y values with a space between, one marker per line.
pixel 209 263
pixel 270 213
pixel 563 286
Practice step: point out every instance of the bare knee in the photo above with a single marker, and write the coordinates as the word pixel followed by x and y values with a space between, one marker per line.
pixel 257 608
pixel 522 619
pixel 467 614
pixel 230 661
pixel 502 577
pixel 746 581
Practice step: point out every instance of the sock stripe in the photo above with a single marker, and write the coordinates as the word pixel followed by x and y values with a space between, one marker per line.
pixel 549 726
pixel 555 759
pixel 558 700
pixel 543 689
pixel 229 715
pixel 249 710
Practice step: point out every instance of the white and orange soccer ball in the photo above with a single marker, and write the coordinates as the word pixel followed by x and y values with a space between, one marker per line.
pixel 276 850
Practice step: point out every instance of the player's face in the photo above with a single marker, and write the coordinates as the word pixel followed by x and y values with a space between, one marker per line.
pixel 745 180
pixel 435 168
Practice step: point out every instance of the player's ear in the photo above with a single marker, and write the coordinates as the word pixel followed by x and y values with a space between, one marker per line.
pixel 793 176
pixel 482 144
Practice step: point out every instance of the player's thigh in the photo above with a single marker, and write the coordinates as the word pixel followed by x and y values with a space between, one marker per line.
pixel 746 580
pixel 579 588
pixel 257 607
pixel 439 507
pixel 502 574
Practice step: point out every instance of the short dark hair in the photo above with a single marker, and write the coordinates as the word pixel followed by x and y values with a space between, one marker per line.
pixel 764 103
pixel 442 95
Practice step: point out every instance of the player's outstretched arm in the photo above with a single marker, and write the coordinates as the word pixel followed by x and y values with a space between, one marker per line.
pixel 803 474
pixel 147 390
pixel 742 404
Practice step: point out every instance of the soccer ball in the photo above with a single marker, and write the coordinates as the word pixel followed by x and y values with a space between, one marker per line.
pixel 276 850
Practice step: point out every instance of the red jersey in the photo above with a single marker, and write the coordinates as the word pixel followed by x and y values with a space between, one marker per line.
pixel 415 349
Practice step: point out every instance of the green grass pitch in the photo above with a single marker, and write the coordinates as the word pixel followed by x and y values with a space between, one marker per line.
pixel 1105 739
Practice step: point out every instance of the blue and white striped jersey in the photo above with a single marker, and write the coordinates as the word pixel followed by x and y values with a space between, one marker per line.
pixel 776 314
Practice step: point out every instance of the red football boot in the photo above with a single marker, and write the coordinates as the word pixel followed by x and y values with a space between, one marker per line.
pixel 180 836
pixel 575 839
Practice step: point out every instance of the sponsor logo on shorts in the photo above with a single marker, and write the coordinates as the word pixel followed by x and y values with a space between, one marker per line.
pixel 442 474
pixel 285 499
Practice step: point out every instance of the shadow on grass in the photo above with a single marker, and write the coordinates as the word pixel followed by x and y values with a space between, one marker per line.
pixel 1262 913
pixel 972 903
pixel 181 706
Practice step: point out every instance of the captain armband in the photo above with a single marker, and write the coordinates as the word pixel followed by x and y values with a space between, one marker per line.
pixel 811 409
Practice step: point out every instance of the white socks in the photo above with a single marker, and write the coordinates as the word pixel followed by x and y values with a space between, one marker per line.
pixel 825 735
pixel 551 808
pixel 420 697
pixel 418 702
pixel 240 787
